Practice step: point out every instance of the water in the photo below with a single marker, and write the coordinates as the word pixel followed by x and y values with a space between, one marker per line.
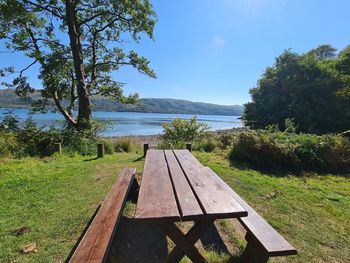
pixel 133 123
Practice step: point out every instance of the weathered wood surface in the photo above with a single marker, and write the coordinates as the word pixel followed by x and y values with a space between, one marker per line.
pixel 156 201
pixel 212 195
pixel 94 246
pixel 175 186
pixel 260 231
pixel 100 150
pixel 187 202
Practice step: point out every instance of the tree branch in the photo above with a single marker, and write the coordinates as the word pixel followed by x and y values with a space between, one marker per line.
pixel 65 114
pixel 46 8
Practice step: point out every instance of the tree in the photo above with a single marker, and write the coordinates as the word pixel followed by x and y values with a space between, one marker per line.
pixel 303 88
pixel 77 45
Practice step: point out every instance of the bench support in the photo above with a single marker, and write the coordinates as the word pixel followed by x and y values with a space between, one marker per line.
pixel 254 252
pixel 185 243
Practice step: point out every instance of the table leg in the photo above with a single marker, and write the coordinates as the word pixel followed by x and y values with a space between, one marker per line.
pixel 185 243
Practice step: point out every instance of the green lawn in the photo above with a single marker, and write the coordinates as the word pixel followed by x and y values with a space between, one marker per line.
pixel 55 198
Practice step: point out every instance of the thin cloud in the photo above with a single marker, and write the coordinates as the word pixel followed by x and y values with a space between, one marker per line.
pixel 218 42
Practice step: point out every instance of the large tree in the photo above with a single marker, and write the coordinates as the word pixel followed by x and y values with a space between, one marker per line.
pixel 308 88
pixel 77 45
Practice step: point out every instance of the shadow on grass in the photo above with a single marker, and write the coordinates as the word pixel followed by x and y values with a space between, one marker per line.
pixel 138 159
pixel 82 235
pixel 138 242
pixel 283 172
pixel 91 159
pixel 211 239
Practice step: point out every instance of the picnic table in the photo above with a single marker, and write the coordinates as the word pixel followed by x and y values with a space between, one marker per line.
pixel 176 187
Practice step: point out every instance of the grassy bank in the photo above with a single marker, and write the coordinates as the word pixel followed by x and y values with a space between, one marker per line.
pixel 55 198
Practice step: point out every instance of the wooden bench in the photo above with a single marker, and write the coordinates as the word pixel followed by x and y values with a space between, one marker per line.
pixel 263 240
pixel 95 244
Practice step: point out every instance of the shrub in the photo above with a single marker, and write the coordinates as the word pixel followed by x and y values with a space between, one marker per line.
pixel 208 145
pixel 9 122
pixel 295 152
pixel 23 139
pixel 122 145
pixel 8 145
pixel 179 132
pixel 37 141
pixel 108 146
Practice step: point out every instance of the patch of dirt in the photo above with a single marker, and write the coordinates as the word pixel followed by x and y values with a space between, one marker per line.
pixel 21 231
pixel 29 248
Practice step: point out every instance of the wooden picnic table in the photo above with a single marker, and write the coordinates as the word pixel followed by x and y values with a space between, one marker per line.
pixel 176 187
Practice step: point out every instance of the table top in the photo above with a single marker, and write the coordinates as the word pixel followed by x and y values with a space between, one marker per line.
pixel 175 186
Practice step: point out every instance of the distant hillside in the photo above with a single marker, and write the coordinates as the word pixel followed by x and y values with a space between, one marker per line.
pixel 8 99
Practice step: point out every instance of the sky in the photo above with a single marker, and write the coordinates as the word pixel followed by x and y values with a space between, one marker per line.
pixel 215 50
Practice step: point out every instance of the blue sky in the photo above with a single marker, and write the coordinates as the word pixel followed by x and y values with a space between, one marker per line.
pixel 215 50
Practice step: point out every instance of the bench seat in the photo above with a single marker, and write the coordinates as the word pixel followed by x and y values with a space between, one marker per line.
pixel 95 244
pixel 263 240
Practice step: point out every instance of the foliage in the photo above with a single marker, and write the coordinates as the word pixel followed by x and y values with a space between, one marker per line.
pixel 9 122
pixel 309 89
pixel 27 139
pixel 206 145
pixel 179 132
pixel 8 144
pixel 77 45
pixel 293 152
pixel 122 145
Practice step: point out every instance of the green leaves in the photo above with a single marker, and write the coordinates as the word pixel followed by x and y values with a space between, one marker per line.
pixel 78 46
pixel 180 131
pixel 309 88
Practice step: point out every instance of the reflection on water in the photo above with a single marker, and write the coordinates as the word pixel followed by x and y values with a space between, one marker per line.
pixel 134 123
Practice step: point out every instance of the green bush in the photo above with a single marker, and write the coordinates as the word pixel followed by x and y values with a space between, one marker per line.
pixel 208 145
pixel 295 152
pixel 8 145
pixel 108 146
pixel 122 145
pixel 179 132
pixel 27 139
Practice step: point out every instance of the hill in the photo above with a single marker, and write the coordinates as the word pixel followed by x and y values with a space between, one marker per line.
pixel 8 99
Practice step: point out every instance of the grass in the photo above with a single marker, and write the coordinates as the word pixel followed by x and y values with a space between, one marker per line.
pixel 312 212
pixel 55 197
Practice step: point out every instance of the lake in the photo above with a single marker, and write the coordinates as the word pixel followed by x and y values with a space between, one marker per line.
pixel 133 123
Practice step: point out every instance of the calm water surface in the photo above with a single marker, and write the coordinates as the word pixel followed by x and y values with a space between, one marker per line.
pixel 133 123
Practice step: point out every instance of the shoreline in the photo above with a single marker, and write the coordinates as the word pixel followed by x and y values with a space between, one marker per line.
pixel 154 140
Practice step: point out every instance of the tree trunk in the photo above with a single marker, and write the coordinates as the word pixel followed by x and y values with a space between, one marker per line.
pixel 84 105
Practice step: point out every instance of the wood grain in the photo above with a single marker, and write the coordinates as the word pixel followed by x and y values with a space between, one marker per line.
pixel 156 197
pixel 95 244
pixel 213 196
pixel 187 202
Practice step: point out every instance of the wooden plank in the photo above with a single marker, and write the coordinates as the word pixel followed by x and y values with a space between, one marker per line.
pixel 156 197
pixel 214 199
pixel 187 202
pixel 96 242
pixel 195 233
pixel 272 241
pixel 188 248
